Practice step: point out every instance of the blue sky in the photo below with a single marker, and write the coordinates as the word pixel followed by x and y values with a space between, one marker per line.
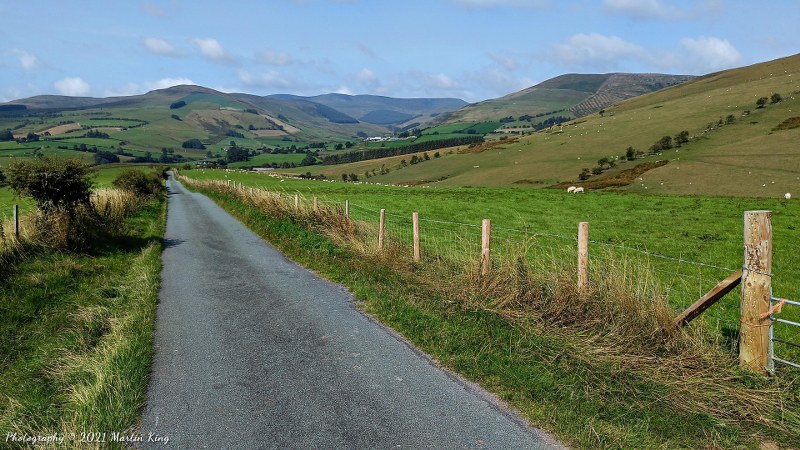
pixel 471 49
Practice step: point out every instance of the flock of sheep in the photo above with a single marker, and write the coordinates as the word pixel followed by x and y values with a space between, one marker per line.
pixel 579 190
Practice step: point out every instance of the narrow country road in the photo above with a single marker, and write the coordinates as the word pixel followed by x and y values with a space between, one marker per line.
pixel 254 351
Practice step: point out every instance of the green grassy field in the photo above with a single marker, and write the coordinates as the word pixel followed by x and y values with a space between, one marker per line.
pixel 268 158
pixel 115 123
pixel 225 142
pixel 706 230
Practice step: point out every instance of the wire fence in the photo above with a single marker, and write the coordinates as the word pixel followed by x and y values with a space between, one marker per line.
pixel 682 280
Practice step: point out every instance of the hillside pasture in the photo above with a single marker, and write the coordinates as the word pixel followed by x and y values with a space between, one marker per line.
pixel 734 148
pixel 112 123
pixel 269 133
pixel 62 129
pixel 268 158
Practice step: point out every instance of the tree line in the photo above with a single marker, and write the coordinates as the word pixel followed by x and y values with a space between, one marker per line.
pixel 383 152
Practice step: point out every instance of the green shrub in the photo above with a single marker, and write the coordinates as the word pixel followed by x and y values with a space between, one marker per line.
pixel 139 183
pixel 55 184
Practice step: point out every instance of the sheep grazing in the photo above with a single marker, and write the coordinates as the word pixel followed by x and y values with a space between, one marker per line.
pixel 571 189
pixel 787 196
pixel 578 190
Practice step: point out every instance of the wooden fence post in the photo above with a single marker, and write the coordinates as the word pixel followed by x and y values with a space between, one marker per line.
pixel 347 209
pixel 16 221
pixel 415 226
pixel 583 256
pixel 315 204
pixel 756 291
pixel 486 236
pixel 381 229
pixel 297 201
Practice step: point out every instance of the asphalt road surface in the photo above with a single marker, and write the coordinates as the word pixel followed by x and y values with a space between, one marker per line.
pixel 255 351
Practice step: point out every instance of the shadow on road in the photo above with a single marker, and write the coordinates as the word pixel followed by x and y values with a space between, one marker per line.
pixel 169 243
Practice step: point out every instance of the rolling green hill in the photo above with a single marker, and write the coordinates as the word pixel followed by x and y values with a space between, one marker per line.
pixel 165 118
pixel 734 147
pixel 571 95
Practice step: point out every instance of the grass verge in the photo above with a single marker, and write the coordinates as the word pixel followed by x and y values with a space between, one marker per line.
pixel 76 336
pixel 594 375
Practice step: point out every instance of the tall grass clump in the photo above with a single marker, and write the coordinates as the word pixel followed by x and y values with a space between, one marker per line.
pixel 632 372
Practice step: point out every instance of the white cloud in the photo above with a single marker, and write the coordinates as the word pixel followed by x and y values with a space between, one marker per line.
pixel 147 86
pixel 441 81
pixel 367 76
pixel 596 52
pixel 127 90
pixel 643 9
pixel 476 4
pixel 73 87
pixel 706 54
pixel 212 49
pixel 160 47
pixel 10 93
pixel 369 83
pixel 497 83
pixel 167 82
pixel 270 79
pixel 503 60
pixel 368 51
pixel 27 60
pixel 343 90
pixel 153 9
pixel 659 11
pixel 275 58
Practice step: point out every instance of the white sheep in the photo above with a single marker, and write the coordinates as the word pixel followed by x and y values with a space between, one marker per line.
pixel 571 189
pixel 579 190
pixel 787 196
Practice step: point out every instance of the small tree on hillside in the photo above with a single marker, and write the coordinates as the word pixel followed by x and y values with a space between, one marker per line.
pixel 776 98
pixel 761 102
pixel 682 138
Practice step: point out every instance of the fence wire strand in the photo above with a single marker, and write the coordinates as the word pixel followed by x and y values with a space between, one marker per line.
pixel 683 280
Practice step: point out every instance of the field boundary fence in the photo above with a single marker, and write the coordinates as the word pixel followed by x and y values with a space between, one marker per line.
pixel 487 245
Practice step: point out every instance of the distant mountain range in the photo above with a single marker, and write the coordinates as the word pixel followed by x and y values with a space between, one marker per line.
pixel 336 116
pixel 380 110
pixel 321 116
